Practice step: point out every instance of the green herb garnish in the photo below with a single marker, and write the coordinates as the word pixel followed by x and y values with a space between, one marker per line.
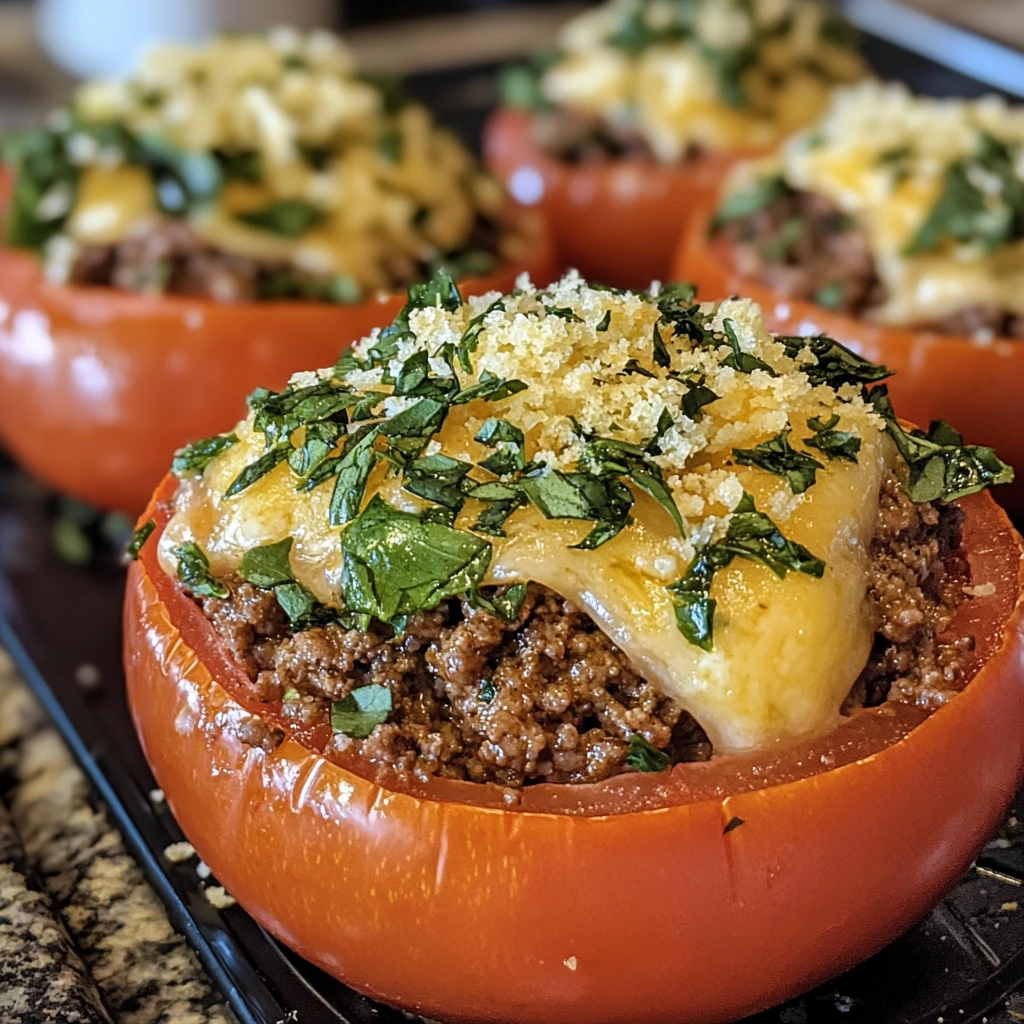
pixel 139 538
pixel 751 535
pixel 942 467
pixel 361 711
pixel 194 572
pixel 288 217
pixel 268 565
pixel 643 757
pixel 836 444
pixel 397 563
pixel 831 363
pixel 779 457
pixel 195 457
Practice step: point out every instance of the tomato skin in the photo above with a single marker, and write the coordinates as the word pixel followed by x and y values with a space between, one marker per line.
pixel 464 911
pixel 975 387
pixel 98 387
pixel 618 222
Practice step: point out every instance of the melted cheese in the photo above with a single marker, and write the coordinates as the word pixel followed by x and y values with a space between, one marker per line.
pixel 394 189
pixel 671 92
pixel 112 202
pixel 786 651
pixel 848 157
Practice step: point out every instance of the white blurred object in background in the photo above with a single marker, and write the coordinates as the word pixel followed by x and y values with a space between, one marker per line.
pixel 101 38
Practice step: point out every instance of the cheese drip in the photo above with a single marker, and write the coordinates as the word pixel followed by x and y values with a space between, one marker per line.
pixel 787 651
pixel 625 62
pixel 881 155
pixel 389 189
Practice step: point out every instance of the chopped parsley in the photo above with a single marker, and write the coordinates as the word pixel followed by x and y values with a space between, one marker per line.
pixel 288 217
pixel 268 565
pixel 779 457
pixel 831 363
pixel 731 824
pixel 751 535
pixel 835 444
pixel 744 362
pixel 605 322
pixel 194 572
pixel 139 538
pixel 361 711
pixel 195 457
pixel 740 205
pixel 941 467
pixel 396 563
pixel 643 757
pixel 269 568
pixel 967 213
pixel 698 394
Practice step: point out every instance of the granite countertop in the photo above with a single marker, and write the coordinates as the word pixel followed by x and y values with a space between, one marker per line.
pixel 83 938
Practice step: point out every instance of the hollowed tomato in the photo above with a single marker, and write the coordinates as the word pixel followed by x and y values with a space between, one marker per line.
pixel 98 386
pixel 975 386
pixel 639 899
pixel 617 222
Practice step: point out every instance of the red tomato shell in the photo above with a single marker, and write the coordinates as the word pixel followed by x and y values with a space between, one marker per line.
pixel 98 387
pixel 617 222
pixel 976 387
pixel 625 902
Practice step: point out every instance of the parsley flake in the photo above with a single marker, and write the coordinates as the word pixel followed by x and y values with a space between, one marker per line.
pixel 194 572
pixel 643 757
pixel 139 538
pixel 779 457
pixel 361 711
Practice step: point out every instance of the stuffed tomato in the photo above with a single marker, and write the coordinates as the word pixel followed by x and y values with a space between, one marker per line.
pixel 893 226
pixel 229 211
pixel 620 660
pixel 639 112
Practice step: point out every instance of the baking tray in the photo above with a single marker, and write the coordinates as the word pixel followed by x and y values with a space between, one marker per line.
pixel 60 621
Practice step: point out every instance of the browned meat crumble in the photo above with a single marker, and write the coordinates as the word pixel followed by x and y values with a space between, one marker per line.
pixel 576 138
pixel 172 259
pixel 803 247
pixel 549 698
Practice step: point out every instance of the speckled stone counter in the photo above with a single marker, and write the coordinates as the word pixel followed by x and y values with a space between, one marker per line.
pixel 83 938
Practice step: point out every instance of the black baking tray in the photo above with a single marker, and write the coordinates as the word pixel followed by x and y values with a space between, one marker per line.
pixel 61 623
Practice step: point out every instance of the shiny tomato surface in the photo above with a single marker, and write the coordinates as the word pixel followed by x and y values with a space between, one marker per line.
pixel 617 222
pixel 976 387
pixel 98 387
pixel 630 901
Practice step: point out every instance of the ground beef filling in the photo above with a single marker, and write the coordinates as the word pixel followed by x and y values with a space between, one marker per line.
pixel 803 247
pixel 549 698
pixel 577 138
pixel 171 259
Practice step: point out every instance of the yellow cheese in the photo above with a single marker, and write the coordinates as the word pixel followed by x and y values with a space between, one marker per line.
pixel 786 651
pixel 112 202
pixel 395 190
pixel 670 89
pixel 881 155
